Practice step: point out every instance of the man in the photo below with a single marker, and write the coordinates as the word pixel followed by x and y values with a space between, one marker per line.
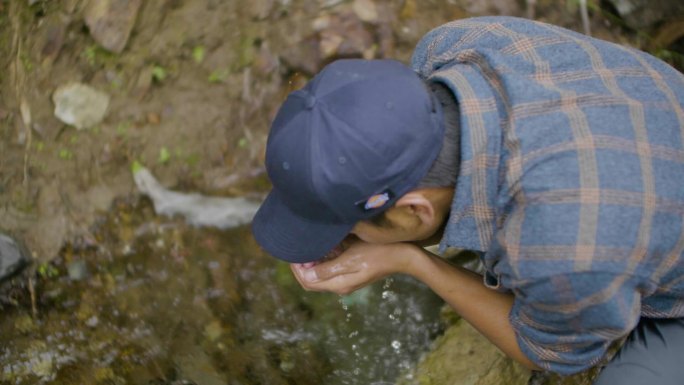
pixel 558 157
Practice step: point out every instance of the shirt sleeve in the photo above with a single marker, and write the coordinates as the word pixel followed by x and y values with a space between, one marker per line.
pixel 566 323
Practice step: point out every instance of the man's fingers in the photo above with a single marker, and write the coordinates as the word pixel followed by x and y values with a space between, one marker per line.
pixel 340 283
pixel 331 269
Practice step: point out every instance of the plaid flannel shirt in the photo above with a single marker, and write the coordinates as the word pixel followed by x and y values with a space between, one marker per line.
pixel 571 181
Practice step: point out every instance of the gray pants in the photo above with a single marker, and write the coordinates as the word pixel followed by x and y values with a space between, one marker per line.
pixel 652 355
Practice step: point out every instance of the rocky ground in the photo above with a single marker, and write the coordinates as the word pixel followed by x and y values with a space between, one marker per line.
pixel 188 88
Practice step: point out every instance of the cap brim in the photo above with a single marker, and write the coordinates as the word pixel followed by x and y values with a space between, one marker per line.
pixel 288 236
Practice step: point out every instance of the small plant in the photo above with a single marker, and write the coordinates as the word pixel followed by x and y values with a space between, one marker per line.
pixel 159 73
pixel 66 154
pixel 94 54
pixel 218 76
pixel 46 270
pixel 164 155
pixel 198 54
pixel 90 54
pixel 122 128
pixel 136 166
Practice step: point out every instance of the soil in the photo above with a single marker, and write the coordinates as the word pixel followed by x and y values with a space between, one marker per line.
pixel 192 92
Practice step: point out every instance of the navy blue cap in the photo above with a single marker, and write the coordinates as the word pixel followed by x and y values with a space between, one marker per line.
pixel 344 148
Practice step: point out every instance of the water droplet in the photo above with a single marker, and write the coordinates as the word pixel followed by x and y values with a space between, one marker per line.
pixel 342 160
pixel 389 105
pixel 286 166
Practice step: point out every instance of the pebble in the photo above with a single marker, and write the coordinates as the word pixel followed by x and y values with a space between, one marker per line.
pixel 78 270
pixel 111 21
pixel 80 105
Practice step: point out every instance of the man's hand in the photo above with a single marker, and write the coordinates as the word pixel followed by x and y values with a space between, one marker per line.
pixel 364 263
pixel 359 265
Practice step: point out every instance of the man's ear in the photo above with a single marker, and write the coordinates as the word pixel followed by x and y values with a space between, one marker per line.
pixel 417 204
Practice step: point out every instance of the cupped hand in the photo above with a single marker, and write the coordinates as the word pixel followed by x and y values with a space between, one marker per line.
pixel 359 265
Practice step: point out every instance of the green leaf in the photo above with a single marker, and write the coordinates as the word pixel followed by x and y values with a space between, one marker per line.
pixel 164 155
pixel 65 154
pixel 159 73
pixel 46 270
pixel 218 76
pixel 242 143
pixel 198 54
pixel 136 166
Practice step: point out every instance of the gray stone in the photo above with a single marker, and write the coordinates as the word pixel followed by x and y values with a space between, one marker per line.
pixel 111 22
pixel 12 257
pixel 80 105
pixel 78 270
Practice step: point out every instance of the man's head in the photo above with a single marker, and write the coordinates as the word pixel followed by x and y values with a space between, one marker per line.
pixel 356 140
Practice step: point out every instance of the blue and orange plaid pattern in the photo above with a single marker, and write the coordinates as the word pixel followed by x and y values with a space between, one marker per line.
pixel 571 181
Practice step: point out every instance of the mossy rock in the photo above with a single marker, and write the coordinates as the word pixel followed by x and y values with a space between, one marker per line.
pixel 462 356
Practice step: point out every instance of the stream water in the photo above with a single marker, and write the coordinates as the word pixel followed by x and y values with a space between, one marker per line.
pixel 148 300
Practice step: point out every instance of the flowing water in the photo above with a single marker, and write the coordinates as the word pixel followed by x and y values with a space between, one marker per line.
pixel 149 300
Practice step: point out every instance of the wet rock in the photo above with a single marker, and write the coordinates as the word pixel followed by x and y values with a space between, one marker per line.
pixel 80 105
pixel 78 270
pixel 196 367
pixel 12 257
pixel 92 321
pixel 646 13
pixel 111 21
pixel 24 324
pixel 462 355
